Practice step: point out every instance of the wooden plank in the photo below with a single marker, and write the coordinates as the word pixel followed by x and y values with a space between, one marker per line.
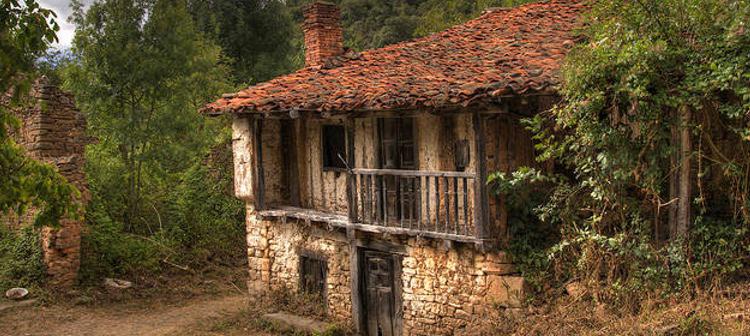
pixel 343 222
pixel 351 186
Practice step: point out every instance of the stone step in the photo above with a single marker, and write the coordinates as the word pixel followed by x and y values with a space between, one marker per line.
pixel 286 322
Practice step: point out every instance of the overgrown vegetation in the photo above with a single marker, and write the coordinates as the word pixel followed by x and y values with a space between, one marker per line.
pixel 21 258
pixel 653 132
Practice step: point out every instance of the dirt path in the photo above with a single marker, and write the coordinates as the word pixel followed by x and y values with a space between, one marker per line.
pixel 147 320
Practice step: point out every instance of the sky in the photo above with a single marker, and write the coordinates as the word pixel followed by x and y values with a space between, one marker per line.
pixel 67 30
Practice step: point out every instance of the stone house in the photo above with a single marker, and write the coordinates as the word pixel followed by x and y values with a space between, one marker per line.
pixel 364 174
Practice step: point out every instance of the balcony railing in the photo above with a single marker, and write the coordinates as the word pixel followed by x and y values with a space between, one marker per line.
pixel 423 201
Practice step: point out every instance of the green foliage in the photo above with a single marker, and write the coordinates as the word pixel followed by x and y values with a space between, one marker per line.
pixel 25 32
pixel 526 191
pixel 208 219
pixel 108 251
pixel 257 35
pixel 21 258
pixel 142 72
pixel 642 65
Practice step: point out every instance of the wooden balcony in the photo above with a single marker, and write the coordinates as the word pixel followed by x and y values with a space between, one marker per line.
pixel 402 202
pixel 424 201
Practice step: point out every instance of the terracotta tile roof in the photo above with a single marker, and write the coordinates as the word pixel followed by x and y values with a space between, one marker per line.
pixel 503 52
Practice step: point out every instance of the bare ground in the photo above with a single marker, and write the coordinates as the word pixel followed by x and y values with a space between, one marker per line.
pixel 123 319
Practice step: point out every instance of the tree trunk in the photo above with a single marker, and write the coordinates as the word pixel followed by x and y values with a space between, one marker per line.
pixel 684 186
pixel 683 212
pixel 680 183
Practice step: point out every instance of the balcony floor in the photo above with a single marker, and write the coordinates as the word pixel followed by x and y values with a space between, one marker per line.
pixel 342 221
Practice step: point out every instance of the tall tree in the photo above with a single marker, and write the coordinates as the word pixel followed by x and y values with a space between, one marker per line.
pixel 142 71
pixel 26 30
pixel 258 35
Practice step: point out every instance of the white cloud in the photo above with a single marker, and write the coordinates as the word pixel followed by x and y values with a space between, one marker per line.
pixel 63 11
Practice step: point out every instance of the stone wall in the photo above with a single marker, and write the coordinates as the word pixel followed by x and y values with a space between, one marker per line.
pixel 53 131
pixel 444 288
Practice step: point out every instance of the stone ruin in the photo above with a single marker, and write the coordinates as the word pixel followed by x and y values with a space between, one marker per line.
pixel 53 131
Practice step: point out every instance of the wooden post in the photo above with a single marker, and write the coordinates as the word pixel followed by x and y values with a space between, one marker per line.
pixel 481 205
pixel 351 186
pixel 258 158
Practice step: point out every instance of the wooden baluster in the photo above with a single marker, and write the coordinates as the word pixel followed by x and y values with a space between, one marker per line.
pixel 412 201
pixel 371 199
pixel 419 202
pixel 384 185
pixel 427 204
pixel 455 203
pixel 447 205
pixel 466 207
pixel 437 203
pixel 401 200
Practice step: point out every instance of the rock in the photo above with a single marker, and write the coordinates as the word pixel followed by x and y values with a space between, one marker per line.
pixel 117 283
pixel 16 293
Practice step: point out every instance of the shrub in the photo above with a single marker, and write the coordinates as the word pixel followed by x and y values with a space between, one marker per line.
pixel 208 220
pixel 107 251
pixel 21 260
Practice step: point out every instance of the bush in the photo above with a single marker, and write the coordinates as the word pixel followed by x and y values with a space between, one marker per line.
pixel 208 221
pixel 21 260
pixel 108 251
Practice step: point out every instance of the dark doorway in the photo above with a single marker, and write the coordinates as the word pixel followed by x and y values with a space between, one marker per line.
pixel 379 293
pixel 397 149
pixel 290 174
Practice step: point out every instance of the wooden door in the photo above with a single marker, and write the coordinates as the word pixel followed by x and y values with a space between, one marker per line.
pixel 397 151
pixel 379 294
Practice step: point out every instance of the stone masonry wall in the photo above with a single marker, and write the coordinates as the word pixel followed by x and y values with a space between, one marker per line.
pixel 274 251
pixel 443 288
pixel 53 131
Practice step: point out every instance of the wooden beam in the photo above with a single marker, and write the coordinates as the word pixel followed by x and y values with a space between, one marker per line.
pixel 481 204
pixel 260 187
pixel 351 178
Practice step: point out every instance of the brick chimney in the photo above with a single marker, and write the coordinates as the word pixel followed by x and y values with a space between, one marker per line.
pixel 323 35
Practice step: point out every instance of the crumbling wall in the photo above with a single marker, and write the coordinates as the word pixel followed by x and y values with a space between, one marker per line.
pixel 53 131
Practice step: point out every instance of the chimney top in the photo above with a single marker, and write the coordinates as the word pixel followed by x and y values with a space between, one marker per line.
pixel 323 34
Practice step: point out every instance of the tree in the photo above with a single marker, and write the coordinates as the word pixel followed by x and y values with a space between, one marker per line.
pixel 257 35
pixel 26 30
pixel 654 127
pixel 142 72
